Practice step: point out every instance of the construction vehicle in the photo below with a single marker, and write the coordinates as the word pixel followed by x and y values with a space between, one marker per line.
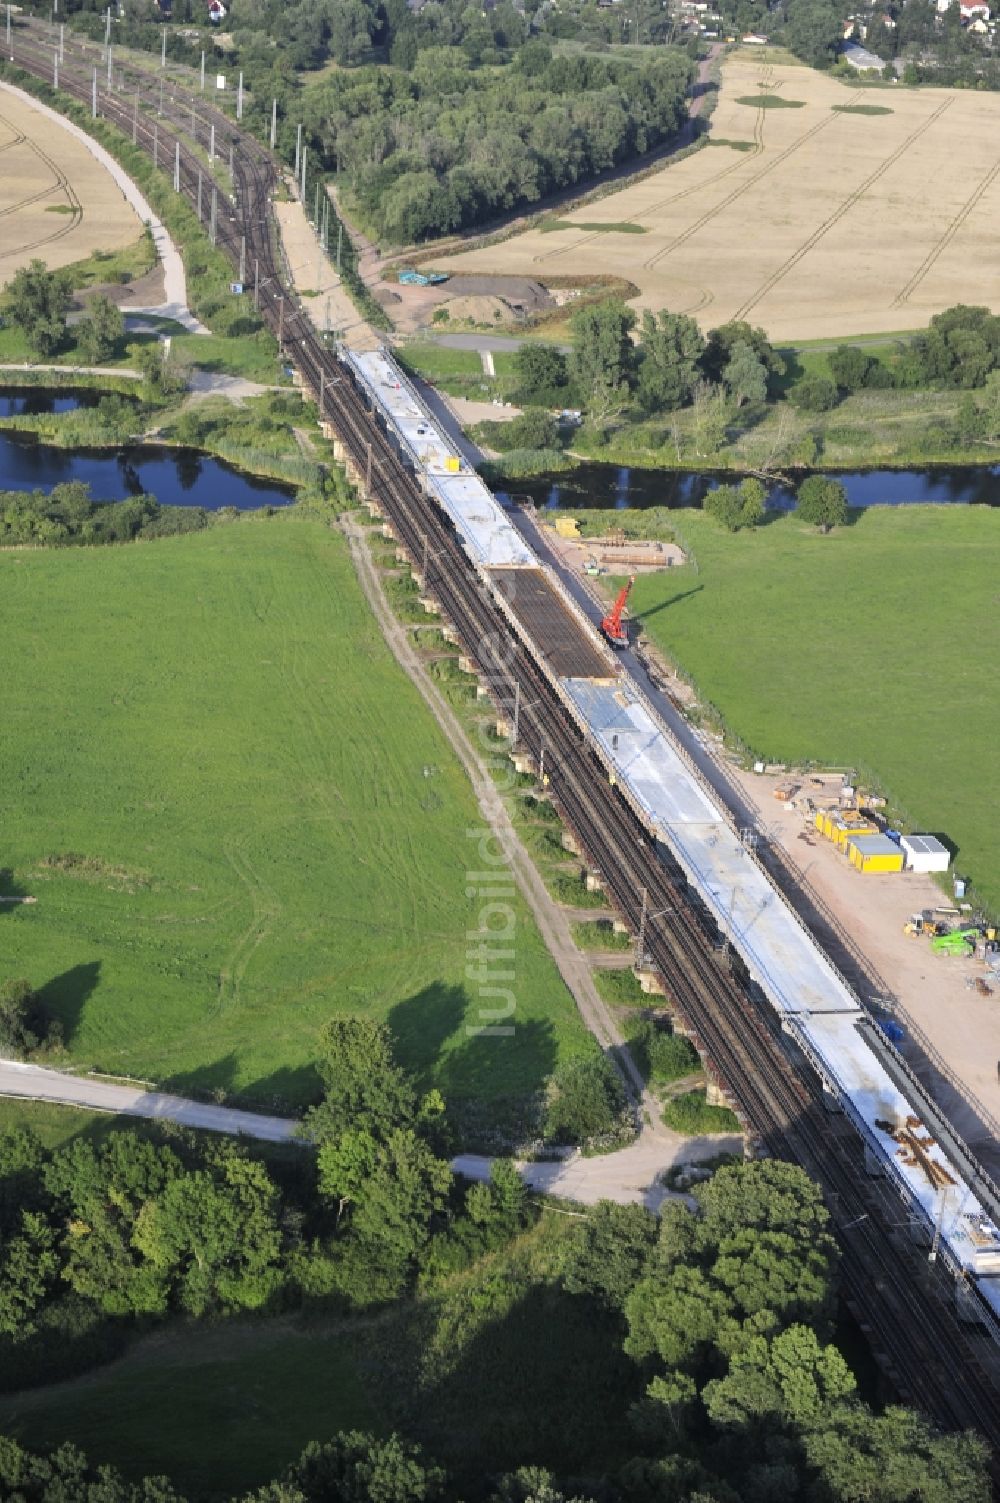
pixel 920 924
pixel 611 626
pixel 958 942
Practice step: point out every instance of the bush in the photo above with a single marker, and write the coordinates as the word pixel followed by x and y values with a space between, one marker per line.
pixel 534 429
pixel 520 463
pixel 20 1030
pixel 813 394
pixel 691 1113
pixel 737 506
pixel 588 1102
pixel 539 368
pixel 662 1055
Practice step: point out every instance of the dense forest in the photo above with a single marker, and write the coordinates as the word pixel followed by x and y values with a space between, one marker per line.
pixel 448 143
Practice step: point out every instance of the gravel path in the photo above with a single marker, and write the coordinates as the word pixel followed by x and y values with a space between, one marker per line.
pixel 175 283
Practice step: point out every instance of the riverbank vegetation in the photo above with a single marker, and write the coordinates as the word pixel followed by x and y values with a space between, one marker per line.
pixel 526 1356
pixel 223 747
pixel 678 399
pixel 911 716
pixel 275 434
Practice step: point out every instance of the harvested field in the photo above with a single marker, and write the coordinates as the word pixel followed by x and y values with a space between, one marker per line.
pixel 56 201
pixel 842 218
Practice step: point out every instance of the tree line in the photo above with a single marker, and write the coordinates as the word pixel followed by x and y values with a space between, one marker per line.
pixel 67 516
pixel 707 387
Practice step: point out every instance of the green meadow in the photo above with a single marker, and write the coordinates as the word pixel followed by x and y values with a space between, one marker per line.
pixel 873 647
pixel 238 817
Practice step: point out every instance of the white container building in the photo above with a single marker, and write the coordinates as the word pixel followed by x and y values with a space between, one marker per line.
pixel 925 853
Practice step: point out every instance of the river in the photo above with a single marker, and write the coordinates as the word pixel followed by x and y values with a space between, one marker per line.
pixel 176 477
pixel 613 486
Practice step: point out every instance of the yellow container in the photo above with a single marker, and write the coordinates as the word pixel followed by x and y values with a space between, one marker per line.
pixel 820 822
pixel 452 464
pixel 843 833
pixel 875 853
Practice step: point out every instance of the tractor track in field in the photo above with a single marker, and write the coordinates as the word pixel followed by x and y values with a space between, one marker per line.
pixel 61 181
pixel 737 193
pixel 982 187
pixel 849 202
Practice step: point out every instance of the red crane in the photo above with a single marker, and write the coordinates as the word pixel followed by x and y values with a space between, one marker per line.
pixel 612 626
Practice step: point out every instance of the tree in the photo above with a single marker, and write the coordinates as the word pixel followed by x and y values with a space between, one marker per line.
pixel 894 1456
pixel 723 340
pixel 745 376
pixel 394 1188
pixel 362 1081
pixel 541 373
pixel 737 506
pixel 610 1252
pixel 725 506
pixel 213 1235
pixel 28 1266
pixel 793 1378
pixel 37 303
pixel 709 419
pixel 603 357
pixel 822 502
pixel 589 1100
pixel 850 367
pixel 163 377
pixel 100 331
pixel 671 345
pixel 18 1018
pixel 21 1161
pixel 359 1468
pixel 813 394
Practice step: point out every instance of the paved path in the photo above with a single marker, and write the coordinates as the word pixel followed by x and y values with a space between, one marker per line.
pixel 494 344
pixel 175 283
pixel 629 1176
pixel 34 1083
pixel 77 370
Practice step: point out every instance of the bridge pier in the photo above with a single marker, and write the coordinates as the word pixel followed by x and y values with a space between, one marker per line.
pixel 651 986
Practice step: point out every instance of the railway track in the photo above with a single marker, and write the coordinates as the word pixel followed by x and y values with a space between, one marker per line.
pixel 904 1304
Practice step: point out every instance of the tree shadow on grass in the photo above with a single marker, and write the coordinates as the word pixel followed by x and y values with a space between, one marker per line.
pixel 63 998
pixel 544 1383
pixel 464 1042
pixel 491 1069
pixel 286 1092
pixel 9 888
